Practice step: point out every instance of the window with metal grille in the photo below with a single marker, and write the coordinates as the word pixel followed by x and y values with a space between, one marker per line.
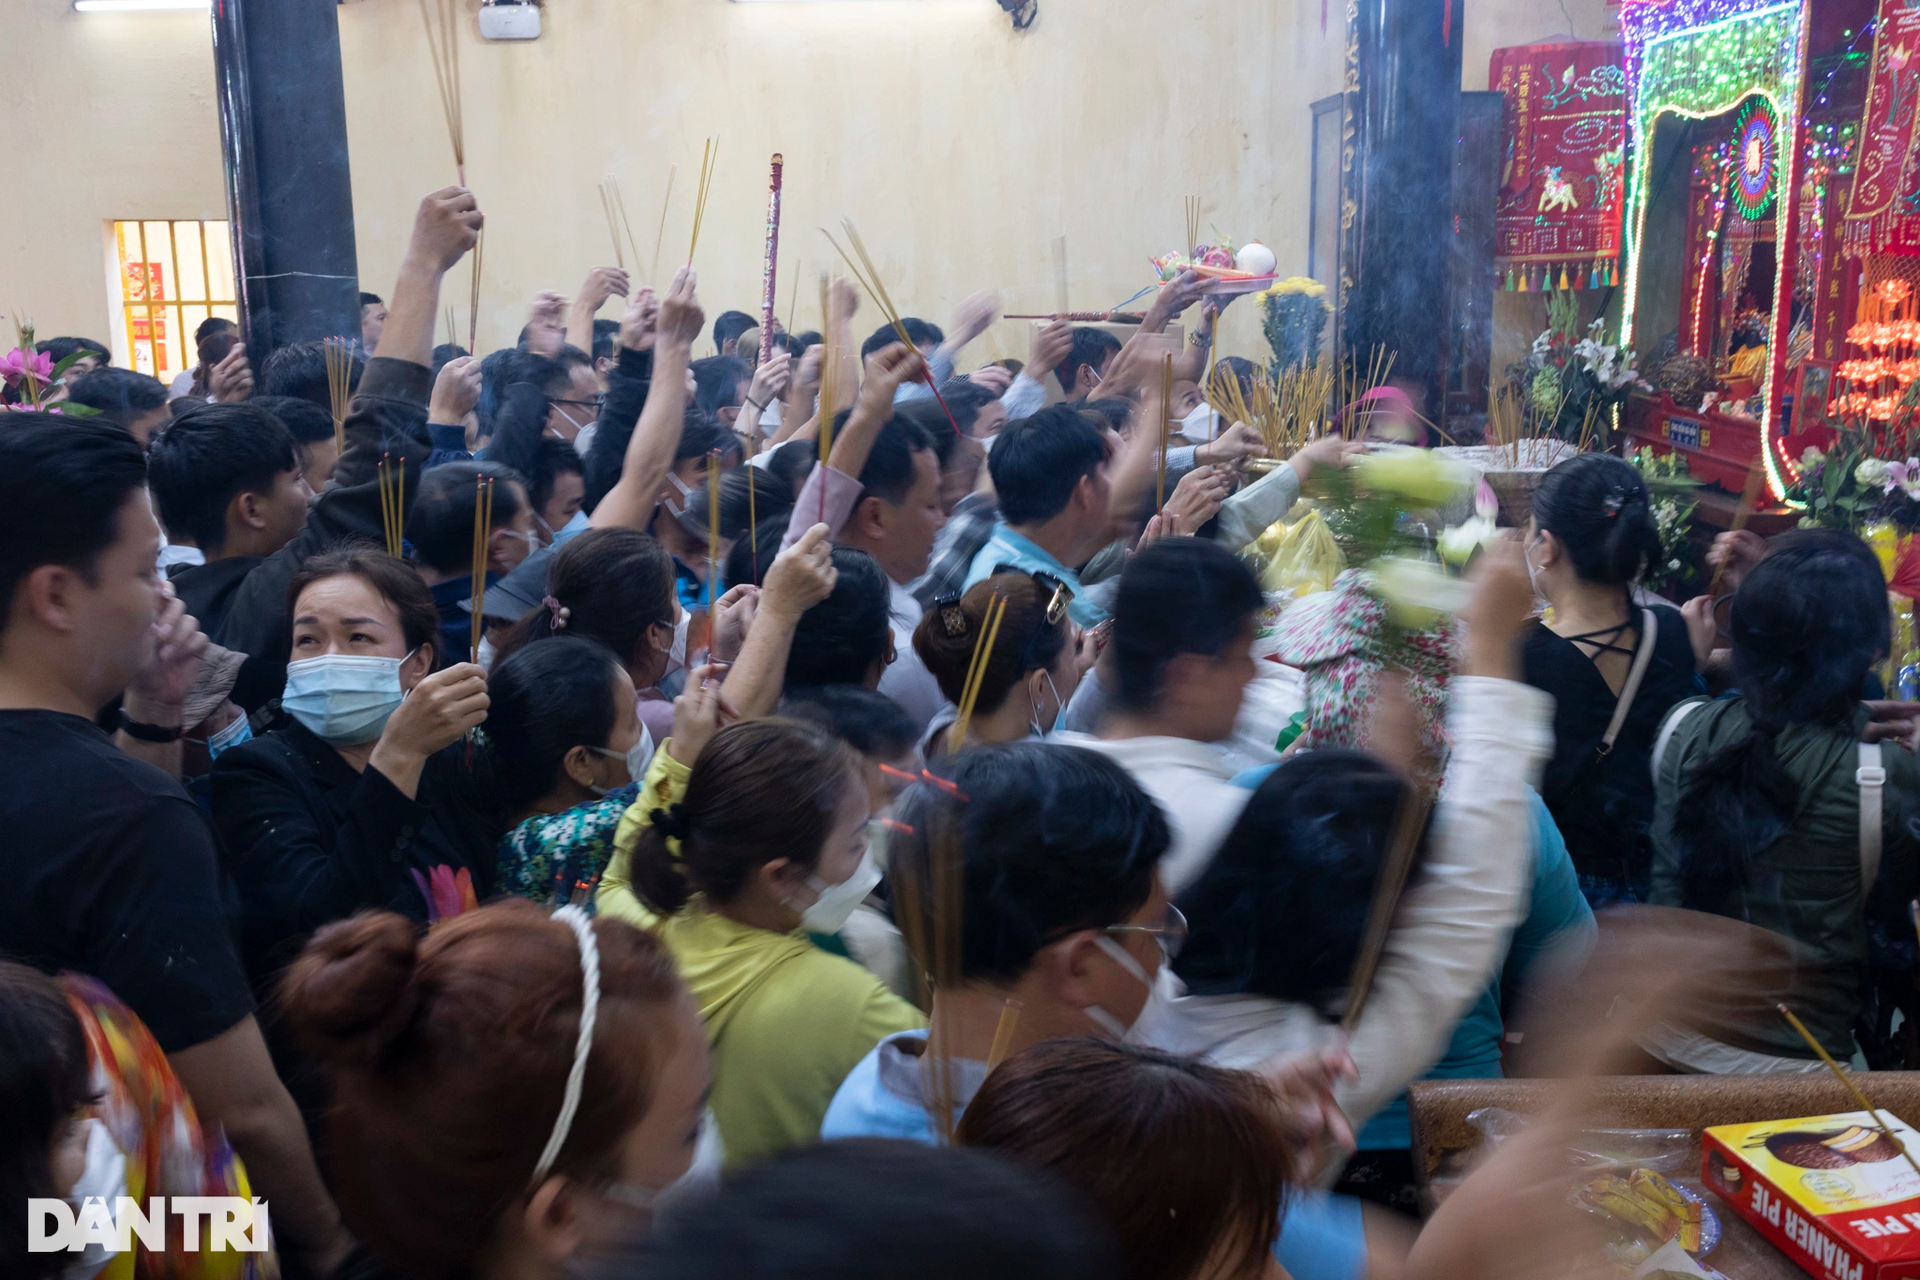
pixel 169 277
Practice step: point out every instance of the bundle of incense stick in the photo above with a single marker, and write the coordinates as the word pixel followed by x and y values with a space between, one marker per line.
pixel 473 298
pixel 1082 317
pixel 620 207
pixel 439 17
pixel 613 223
pixel 453 335
pixel 30 387
pixel 1846 1083
pixel 708 157
pixel 1193 223
pixel 829 371
pixel 666 203
pixel 339 354
pixel 392 479
pixel 976 671
pixel 482 529
pixel 870 281
pixel 753 527
pixel 1411 821
pixel 1354 384
pixel 793 303
pixel 767 282
pixel 1166 428
pixel 1284 408
pixel 713 525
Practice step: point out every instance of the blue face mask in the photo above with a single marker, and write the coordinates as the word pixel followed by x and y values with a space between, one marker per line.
pixel 230 737
pixel 571 529
pixel 343 698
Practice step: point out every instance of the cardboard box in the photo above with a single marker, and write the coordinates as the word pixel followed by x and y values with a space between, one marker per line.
pixel 1830 1192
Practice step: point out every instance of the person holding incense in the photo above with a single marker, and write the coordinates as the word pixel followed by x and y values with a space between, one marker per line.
pixel 1591 537
pixel 1023 683
pixel 767 842
pixel 1060 929
pixel 1769 807
pixel 452 539
pixel 363 800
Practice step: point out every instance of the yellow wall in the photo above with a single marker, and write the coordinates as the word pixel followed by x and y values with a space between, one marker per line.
pixel 960 148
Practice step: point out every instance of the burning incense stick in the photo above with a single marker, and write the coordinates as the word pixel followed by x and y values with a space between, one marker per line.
pixel 793 303
pixel 977 670
pixel 713 525
pixel 1193 223
pixel 708 158
pixel 1386 901
pixel 1847 1084
pixel 453 335
pixel 1003 1032
pixel 767 301
pixel 473 296
pixel 1166 422
pixel 339 355
pixel 870 281
pixel 482 530
pixel 620 207
pixel 613 224
pixel 439 17
pixel 653 272
pixel 392 481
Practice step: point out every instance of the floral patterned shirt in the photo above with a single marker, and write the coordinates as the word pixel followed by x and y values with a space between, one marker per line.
pixel 551 855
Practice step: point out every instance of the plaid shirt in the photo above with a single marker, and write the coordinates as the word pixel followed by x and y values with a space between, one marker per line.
pixel 965 532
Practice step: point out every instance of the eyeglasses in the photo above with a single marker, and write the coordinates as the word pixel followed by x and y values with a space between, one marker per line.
pixel 1171 933
pixel 597 403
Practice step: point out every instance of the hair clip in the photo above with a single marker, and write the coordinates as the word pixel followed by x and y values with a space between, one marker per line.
pixel 1616 499
pixel 952 616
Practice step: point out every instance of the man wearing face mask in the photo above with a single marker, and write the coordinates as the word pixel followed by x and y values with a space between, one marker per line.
pixel 440 528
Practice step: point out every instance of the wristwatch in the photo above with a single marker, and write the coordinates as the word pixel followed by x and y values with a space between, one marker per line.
pixel 148 732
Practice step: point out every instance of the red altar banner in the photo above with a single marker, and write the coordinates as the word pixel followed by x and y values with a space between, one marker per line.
pixel 1880 218
pixel 1566 129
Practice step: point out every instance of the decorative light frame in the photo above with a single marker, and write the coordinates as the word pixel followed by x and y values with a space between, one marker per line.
pixel 1695 59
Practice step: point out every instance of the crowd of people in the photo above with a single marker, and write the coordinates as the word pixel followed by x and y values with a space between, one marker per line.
pixel 541 815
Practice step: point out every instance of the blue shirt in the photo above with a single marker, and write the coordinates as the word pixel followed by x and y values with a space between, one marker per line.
pixel 1321 1235
pixel 1016 551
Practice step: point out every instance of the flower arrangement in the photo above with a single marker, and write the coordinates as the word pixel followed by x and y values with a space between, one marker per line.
pixel 1293 315
pixel 1671 486
pixel 1573 377
pixel 27 374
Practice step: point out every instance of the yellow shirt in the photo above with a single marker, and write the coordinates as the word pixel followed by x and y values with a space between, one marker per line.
pixel 786 1020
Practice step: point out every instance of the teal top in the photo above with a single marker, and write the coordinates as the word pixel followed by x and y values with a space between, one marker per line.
pixel 1017 551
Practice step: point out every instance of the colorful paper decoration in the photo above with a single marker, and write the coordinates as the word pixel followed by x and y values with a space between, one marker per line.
pixel 1882 214
pixel 1756 156
pixel 1560 192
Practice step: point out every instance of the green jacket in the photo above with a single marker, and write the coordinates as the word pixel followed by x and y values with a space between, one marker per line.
pixel 1806 885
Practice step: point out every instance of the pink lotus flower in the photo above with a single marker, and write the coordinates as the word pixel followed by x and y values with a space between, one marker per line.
pixel 16 365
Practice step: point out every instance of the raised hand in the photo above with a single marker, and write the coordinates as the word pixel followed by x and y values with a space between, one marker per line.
pixel 547 325
pixel 446 226
pixel 733 615
pixel 1330 450
pixel 601 283
pixel 843 299
pixel 1050 347
pixel 698 714
pixel 993 378
pixel 801 577
pixel 681 318
pixel 231 381
pixel 1196 499
pixel 887 369
pixel 438 712
pixel 971 318
pixel 1236 442
pixel 638 325
pixel 1501 604
pixel 770 378
pixel 455 391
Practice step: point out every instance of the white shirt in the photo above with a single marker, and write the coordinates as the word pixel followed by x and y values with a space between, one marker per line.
pixel 907 680
pixel 1451 929
pixel 1192 782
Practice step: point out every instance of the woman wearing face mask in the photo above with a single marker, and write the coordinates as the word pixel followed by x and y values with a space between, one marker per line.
pixel 567 755
pixel 363 801
pixel 615 586
pixel 1037 659
pixel 769 844
pixel 1590 539
pixel 513 1092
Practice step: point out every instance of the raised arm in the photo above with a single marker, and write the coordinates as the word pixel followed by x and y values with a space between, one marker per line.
pixel 840 478
pixel 800 578
pixel 601 283
pixel 650 452
pixel 444 230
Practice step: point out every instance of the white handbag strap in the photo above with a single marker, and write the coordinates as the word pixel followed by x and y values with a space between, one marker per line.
pixel 1642 659
pixel 1674 717
pixel 1871 777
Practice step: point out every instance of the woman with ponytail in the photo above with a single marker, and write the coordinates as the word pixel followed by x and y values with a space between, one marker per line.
pixel 1760 795
pixel 763 843
pixel 1590 538
pixel 511 1091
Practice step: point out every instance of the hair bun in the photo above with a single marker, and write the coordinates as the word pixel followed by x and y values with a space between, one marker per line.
pixel 352 992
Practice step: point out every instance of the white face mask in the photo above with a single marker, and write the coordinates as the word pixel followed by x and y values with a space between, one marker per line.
pixel 1157 994
pixel 701 1179
pixel 677 652
pixel 485 654
pixel 104 1179
pixel 1059 715
pixel 677 509
pixel 343 698
pixel 635 757
pixel 837 901
pixel 1200 424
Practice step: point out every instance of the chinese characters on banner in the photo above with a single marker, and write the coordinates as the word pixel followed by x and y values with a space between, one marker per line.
pixel 1883 213
pixel 1560 199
